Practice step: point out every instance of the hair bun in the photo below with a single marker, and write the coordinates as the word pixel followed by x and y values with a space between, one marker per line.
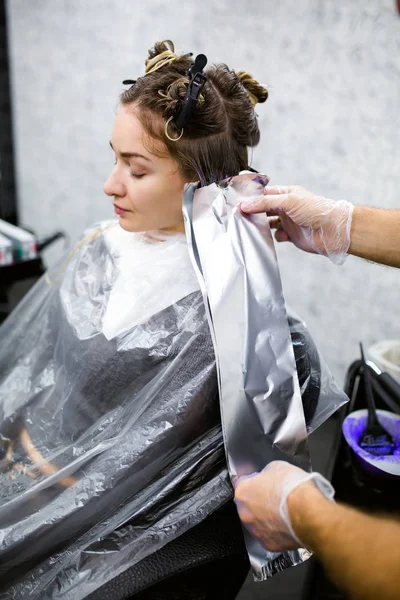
pixel 256 92
pixel 162 53
pixel 160 47
pixel 174 96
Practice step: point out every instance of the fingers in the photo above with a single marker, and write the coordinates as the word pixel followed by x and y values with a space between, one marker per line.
pixel 236 479
pixel 275 222
pixel 277 195
pixel 277 190
pixel 282 236
pixel 271 204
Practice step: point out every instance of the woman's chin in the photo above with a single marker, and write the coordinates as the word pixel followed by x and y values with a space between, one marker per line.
pixel 130 225
pixel 136 227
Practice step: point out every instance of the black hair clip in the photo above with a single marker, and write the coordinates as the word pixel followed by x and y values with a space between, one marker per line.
pixel 192 97
pixel 196 84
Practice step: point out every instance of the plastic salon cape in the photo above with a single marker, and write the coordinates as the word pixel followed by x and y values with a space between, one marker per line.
pixel 111 440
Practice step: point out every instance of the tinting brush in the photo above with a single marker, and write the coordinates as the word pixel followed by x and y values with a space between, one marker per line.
pixel 375 439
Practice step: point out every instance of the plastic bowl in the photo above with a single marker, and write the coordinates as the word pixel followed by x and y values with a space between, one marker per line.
pixel 354 425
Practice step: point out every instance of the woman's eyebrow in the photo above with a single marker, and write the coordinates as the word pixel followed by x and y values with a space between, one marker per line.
pixel 130 154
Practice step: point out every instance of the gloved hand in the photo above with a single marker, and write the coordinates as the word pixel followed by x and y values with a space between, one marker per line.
pixel 262 502
pixel 313 223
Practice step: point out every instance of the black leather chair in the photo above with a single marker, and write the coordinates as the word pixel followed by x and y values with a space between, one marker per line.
pixel 209 561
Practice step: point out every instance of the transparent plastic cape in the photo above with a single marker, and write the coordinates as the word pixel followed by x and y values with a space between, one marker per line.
pixel 109 416
pixel 264 416
pixel 110 427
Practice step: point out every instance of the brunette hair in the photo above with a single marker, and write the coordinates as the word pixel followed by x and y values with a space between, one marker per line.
pixel 215 141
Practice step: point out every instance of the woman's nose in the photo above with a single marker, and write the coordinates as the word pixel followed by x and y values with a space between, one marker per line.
pixel 113 187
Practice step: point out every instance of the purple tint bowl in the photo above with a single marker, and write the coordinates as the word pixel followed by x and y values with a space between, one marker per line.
pixel 354 426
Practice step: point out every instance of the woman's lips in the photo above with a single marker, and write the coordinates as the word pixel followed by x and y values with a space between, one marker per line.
pixel 118 210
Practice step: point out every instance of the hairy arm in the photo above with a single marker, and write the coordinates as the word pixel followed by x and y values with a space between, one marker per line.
pixel 361 553
pixel 375 235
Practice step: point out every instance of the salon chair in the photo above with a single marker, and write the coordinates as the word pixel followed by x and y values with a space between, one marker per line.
pixel 210 560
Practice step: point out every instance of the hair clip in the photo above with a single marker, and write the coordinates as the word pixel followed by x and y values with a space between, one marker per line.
pixel 196 84
pixel 129 82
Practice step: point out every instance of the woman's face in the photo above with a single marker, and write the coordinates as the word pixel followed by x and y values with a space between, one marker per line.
pixel 146 190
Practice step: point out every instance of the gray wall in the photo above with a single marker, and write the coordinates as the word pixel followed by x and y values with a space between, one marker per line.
pixel 332 122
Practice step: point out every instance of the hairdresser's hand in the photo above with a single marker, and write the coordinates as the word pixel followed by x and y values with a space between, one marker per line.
pixel 262 502
pixel 313 223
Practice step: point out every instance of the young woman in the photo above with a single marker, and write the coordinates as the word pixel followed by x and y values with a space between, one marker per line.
pixel 154 160
pixel 109 412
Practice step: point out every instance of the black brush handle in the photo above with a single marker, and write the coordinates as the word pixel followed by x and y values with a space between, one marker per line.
pixel 372 418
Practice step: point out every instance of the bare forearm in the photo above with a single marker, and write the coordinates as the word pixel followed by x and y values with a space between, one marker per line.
pixel 375 235
pixel 361 553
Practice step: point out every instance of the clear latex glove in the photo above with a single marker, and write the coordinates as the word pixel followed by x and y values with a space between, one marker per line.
pixel 313 223
pixel 261 500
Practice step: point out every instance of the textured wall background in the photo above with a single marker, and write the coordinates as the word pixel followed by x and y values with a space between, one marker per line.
pixel 332 122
